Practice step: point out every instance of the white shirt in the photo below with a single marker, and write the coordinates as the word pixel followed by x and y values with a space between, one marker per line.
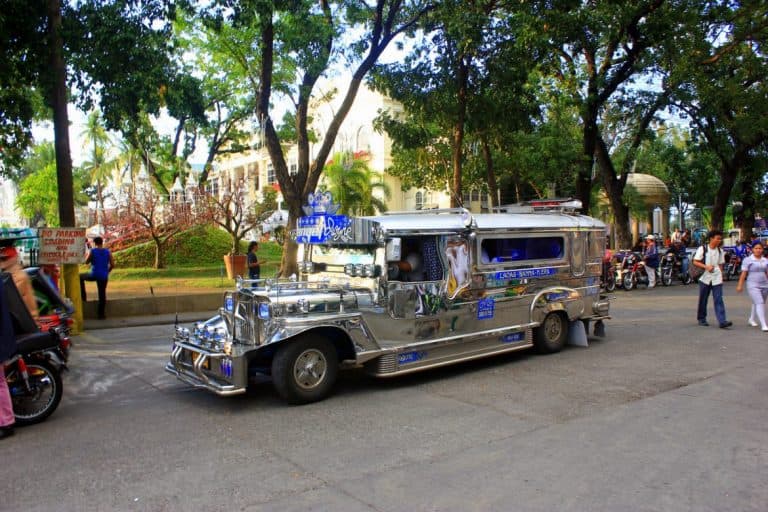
pixel 715 257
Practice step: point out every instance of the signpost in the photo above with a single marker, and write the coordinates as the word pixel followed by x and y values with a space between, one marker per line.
pixel 60 246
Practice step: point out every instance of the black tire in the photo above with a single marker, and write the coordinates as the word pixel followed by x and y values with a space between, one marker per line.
pixel 727 273
pixel 687 279
pixel 305 370
pixel 666 277
pixel 30 407
pixel 551 335
pixel 629 281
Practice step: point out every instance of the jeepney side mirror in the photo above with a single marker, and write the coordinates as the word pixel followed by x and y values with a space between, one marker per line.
pixel 394 249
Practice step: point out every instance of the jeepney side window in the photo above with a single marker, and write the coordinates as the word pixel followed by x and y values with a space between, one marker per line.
pixel 596 245
pixel 519 249
pixel 420 261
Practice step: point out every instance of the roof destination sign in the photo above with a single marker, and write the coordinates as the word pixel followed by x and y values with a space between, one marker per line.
pixel 60 246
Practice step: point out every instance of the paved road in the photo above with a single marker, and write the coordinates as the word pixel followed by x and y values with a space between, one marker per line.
pixel 659 415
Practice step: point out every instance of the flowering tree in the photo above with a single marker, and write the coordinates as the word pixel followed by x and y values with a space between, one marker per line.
pixel 232 211
pixel 160 218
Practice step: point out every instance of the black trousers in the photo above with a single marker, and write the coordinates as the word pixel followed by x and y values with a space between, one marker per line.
pixel 101 286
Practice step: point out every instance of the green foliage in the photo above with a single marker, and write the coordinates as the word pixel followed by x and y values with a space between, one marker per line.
pixel 200 246
pixel 38 198
pixel 352 184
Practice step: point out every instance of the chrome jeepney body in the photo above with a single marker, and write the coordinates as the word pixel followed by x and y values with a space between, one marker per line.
pixel 473 285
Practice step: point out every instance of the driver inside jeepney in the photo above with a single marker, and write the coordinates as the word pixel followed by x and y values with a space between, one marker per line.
pixel 421 261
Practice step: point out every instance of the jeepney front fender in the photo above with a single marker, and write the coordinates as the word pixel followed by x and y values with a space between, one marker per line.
pixel 348 331
pixel 557 298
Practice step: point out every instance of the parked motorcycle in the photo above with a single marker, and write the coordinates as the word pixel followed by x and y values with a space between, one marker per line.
pixel 671 268
pixel 608 277
pixel 636 273
pixel 732 267
pixel 33 379
pixel 55 312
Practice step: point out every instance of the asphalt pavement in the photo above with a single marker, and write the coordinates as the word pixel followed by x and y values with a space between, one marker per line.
pixel 661 415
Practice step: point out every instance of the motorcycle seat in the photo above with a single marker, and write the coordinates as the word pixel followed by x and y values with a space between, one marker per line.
pixel 32 342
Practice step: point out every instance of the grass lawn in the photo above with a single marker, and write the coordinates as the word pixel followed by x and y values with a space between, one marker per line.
pixel 145 281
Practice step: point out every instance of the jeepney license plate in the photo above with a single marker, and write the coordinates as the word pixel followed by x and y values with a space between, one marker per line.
pixel 195 356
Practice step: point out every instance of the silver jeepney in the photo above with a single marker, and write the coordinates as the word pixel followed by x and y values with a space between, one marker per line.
pixel 401 293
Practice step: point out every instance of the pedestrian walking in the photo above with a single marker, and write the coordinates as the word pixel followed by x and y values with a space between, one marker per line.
pixel 10 262
pixel 7 349
pixel 754 271
pixel 254 267
pixel 710 258
pixel 102 263
pixel 651 258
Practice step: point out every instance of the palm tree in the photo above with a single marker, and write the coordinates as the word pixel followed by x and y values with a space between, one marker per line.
pixel 352 184
pixel 96 139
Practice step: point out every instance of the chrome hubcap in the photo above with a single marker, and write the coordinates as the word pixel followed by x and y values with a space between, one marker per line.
pixel 553 327
pixel 310 368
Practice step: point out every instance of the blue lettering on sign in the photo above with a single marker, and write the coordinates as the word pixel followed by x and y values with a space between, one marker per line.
pixel 515 336
pixel 526 273
pixel 320 229
pixel 485 308
pixel 411 357
pixel 229 304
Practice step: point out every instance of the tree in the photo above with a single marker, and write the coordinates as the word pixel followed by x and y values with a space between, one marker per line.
pixel 353 185
pixel 599 51
pixel 724 93
pixel 38 197
pixel 297 44
pixel 232 212
pixel 99 168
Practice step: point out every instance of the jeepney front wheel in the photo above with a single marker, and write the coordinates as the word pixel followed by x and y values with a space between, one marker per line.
pixel 550 336
pixel 304 370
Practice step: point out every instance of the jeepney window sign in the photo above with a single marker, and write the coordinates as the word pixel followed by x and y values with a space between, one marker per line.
pixel 459 262
pixel 321 225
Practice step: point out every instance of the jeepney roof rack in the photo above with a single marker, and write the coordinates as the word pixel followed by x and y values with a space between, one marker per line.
pixel 430 210
pixel 555 205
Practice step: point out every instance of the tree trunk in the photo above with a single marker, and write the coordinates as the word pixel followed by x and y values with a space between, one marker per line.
pixel 288 263
pixel 589 143
pixel 614 188
pixel 490 174
pixel 458 132
pixel 728 175
pixel 58 103
pixel 159 256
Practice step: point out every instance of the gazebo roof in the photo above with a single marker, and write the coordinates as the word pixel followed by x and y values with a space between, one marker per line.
pixel 653 191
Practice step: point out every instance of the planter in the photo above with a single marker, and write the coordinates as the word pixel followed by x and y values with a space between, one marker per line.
pixel 235 265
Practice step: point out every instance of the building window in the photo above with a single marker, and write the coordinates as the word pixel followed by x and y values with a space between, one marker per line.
pixel 294 169
pixel 465 198
pixel 270 175
pixel 419 200
pixel 475 196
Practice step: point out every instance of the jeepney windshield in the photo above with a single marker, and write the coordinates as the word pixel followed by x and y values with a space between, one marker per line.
pixel 335 257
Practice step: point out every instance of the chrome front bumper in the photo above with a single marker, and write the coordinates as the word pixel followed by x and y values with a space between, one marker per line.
pixel 194 373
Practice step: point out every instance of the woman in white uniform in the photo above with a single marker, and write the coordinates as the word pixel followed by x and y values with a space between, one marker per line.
pixel 754 270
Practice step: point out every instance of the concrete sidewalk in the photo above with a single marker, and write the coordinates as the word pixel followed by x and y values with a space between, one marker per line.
pixel 153 310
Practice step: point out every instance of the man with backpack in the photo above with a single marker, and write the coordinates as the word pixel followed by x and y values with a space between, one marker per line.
pixel 710 259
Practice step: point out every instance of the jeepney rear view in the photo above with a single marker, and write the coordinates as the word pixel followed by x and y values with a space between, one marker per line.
pixel 401 293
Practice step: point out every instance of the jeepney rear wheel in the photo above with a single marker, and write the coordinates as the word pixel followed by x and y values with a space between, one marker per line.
pixel 305 370
pixel 550 336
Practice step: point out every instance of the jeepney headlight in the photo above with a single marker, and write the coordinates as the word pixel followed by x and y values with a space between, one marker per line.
pixel 370 270
pixel 264 310
pixel 306 267
pixel 350 269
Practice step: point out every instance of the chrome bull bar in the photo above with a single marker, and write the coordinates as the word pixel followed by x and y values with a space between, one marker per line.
pixel 198 378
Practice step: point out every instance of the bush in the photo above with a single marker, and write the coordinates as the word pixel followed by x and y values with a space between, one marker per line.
pixel 200 246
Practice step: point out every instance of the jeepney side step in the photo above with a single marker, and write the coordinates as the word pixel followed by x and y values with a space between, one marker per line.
pixel 409 359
